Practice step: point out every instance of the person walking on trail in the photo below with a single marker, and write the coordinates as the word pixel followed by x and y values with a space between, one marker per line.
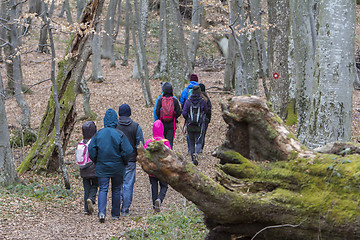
pixel 156 195
pixel 87 167
pixel 168 110
pixel 134 133
pixel 110 150
pixel 186 93
pixel 195 109
pixel 157 100
pixel 208 114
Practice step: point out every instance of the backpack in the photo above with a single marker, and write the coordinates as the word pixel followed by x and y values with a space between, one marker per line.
pixel 167 112
pixel 189 92
pixel 82 154
pixel 195 117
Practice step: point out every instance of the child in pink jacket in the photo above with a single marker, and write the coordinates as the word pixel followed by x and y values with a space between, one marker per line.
pixel 157 197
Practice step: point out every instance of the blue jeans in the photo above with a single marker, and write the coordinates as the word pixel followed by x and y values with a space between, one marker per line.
pixel 90 190
pixel 116 183
pixel 127 188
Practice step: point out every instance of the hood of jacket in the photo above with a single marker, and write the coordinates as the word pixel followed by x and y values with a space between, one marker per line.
pixel 110 118
pixel 167 89
pixel 191 84
pixel 158 129
pixel 126 121
pixel 88 130
pixel 195 98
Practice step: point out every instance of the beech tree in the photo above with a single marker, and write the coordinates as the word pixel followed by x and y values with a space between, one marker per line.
pixel 7 168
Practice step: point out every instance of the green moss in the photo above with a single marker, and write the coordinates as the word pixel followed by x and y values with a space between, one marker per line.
pixel 244 170
pixel 293 154
pixel 277 119
pixel 291 115
pixel 269 105
pixel 233 157
pixel 25 137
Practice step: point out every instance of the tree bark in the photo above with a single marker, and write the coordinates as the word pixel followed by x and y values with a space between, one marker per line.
pixel 125 61
pixel 280 184
pixel 196 17
pixel 108 35
pixel 42 156
pixel 7 169
pixel 278 54
pixel 175 53
pixel 331 104
pixel 96 74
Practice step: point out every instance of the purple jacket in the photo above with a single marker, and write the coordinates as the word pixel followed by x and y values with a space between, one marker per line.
pixel 194 98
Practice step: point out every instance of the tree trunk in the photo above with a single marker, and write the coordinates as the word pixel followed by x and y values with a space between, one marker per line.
pixel 85 91
pixel 280 192
pixel 197 10
pixel 7 169
pixel 331 104
pixel 42 156
pixel 303 61
pixel 96 74
pixel 142 32
pixel 127 35
pixel 141 57
pixel 80 4
pixel 160 70
pixel 108 35
pixel 43 45
pixel 66 8
pixel 17 75
pixel 278 54
pixel 175 53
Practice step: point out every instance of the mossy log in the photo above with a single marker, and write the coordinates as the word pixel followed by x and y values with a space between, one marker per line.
pixel 274 182
pixel 43 155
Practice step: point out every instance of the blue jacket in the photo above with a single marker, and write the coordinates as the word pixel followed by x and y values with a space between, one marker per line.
pixel 109 149
pixel 185 92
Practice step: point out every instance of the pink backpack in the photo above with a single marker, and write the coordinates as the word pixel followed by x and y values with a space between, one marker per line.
pixel 167 113
pixel 82 154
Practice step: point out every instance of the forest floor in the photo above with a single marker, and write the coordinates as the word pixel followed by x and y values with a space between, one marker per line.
pixel 25 217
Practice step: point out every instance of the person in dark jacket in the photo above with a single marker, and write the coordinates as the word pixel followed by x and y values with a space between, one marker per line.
pixel 208 114
pixel 110 150
pixel 194 133
pixel 186 93
pixel 134 133
pixel 169 127
pixel 87 171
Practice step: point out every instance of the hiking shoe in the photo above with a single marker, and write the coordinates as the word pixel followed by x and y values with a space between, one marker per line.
pixel 157 205
pixel 116 218
pixel 102 217
pixel 90 206
pixel 195 159
pixel 124 214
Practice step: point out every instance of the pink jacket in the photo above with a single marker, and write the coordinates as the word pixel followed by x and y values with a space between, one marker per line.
pixel 158 133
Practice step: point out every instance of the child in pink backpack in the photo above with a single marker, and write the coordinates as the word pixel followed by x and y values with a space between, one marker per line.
pixel 156 195
pixel 87 167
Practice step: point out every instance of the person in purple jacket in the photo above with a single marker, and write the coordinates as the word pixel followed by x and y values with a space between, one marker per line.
pixel 194 112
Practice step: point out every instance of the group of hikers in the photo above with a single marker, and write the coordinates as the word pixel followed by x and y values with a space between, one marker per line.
pixel 110 153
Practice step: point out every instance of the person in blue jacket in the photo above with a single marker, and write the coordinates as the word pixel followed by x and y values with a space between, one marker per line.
pixel 185 94
pixel 109 149
pixel 158 98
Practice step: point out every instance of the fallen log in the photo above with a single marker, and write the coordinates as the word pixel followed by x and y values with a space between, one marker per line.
pixel 265 180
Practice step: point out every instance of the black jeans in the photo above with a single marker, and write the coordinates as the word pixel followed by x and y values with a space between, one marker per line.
pixel 155 194
pixel 169 132
pixel 90 190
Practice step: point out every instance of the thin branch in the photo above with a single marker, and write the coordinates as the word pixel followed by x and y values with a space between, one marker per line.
pixel 277 226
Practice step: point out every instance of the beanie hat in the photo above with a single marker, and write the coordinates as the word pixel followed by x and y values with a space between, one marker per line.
pixel 88 130
pixel 167 89
pixel 202 87
pixel 194 77
pixel 125 110
pixel 196 90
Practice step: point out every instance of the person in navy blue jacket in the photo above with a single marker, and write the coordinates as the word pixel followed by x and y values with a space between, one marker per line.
pixel 194 133
pixel 109 149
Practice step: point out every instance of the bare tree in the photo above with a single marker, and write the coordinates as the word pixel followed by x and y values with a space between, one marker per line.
pixel 334 74
pixel 196 17
pixel 278 54
pixel 127 34
pixel 7 168
pixel 66 9
pixel 108 35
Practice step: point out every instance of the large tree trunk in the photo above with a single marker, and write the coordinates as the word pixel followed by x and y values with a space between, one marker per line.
pixel 279 184
pixel 7 168
pixel 43 156
pixel 278 55
pixel 331 104
pixel 196 17
pixel 175 53
pixel 127 34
